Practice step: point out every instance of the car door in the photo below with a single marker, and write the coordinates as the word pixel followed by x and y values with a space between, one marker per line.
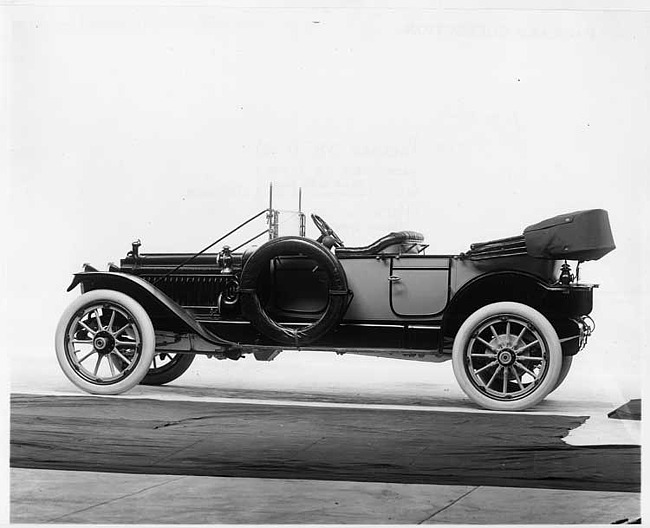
pixel 419 285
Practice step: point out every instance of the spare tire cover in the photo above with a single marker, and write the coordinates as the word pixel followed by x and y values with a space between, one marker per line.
pixel 288 246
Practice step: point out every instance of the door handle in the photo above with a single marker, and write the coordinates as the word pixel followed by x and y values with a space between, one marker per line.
pixel 394 278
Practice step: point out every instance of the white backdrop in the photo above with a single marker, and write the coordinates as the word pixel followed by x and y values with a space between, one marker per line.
pixel 465 123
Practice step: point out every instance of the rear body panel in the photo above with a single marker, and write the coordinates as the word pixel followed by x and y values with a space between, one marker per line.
pixel 425 283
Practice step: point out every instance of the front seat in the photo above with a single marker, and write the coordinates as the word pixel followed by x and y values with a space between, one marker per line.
pixel 404 239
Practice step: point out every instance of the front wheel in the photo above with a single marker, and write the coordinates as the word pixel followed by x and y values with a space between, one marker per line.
pixel 507 357
pixel 166 367
pixel 105 342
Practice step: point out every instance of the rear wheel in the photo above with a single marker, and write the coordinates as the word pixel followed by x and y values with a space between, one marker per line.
pixel 166 367
pixel 507 356
pixel 105 342
pixel 566 366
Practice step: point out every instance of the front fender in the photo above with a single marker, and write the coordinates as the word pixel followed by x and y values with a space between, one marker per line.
pixel 165 313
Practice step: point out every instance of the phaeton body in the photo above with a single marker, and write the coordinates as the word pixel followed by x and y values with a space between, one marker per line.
pixel 509 313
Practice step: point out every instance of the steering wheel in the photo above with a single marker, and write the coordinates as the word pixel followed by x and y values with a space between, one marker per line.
pixel 326 230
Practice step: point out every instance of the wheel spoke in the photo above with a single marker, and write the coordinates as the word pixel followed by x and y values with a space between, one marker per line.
pixel 154 363
pixel 99 320
pixel 110 365
pixel 126 343
pixel 82 341
pixel 508 330
pixel 93 351
pixel 119 355
pixel 498 369
pixel 514 371
pixel 530 358
pixel 485 343
pixel 505 380
pixel 526 347
pixel 491 364
pixel 521 334
pixel 494 332
pixel 121 329
pixel 88 329
pixel 99 360
pixel 110 323
pixel 527 371
pixel 483 355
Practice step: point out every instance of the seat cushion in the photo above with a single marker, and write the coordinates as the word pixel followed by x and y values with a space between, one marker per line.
pixel 391 239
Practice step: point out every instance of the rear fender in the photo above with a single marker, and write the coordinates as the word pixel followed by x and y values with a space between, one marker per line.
pixel 555 302
pixel 165 313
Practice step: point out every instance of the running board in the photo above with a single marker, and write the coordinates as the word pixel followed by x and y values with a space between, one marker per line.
pixel 188 343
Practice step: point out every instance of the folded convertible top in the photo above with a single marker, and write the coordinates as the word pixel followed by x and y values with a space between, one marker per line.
pixel 581 235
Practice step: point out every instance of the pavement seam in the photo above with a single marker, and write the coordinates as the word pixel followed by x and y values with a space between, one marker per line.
pixel 306 448
pixel 117 498
pixel 449 505
pixel 174 453
pixel 313 404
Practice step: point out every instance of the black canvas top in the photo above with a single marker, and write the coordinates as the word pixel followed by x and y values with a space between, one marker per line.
pixel 580 235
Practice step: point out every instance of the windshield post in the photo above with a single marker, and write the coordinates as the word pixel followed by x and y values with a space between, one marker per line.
pixel 301 215
pixel 273 216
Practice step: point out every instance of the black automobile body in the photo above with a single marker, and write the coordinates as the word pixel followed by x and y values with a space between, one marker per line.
pixel 509 312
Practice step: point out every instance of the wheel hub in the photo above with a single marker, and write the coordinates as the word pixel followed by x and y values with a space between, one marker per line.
pixel 103 342
pixel 506 357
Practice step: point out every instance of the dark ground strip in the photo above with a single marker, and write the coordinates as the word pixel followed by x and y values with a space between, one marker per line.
pixel 367 445
pixel 630 411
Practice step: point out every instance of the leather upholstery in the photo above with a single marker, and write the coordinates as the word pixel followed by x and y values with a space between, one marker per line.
pixel 391 239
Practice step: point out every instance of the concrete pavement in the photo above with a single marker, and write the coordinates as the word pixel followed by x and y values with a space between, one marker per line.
pixel 43 496
pixel 49 496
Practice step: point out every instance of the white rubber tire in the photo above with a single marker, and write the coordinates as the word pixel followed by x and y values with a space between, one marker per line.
pixel 553 354
pixel 564 371
pixel 140 318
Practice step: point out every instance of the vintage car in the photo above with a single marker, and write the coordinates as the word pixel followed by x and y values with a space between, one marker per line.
pixel 509 313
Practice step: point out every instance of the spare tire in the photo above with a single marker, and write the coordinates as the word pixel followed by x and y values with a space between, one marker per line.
pixel 338 293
